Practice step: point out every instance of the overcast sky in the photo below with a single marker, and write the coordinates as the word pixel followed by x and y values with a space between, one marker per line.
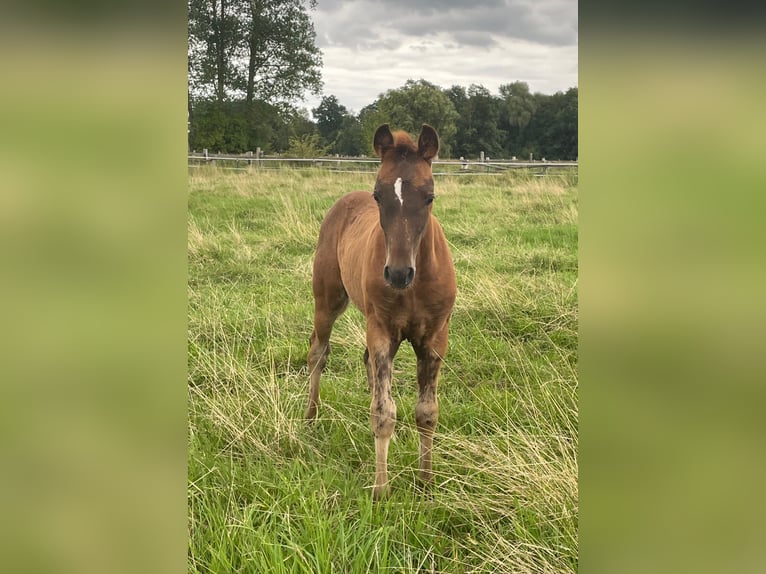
pixel 369 47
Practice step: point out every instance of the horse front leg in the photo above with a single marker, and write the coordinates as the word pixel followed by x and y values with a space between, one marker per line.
pixel 370 377
pixel 382 407
pixel 429 356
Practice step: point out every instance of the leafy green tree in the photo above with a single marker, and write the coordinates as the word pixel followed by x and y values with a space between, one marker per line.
pixel 292 123
pixel 485 114
pixel 351 140
pixel 247 58
pixel 219 128
pixel 282 58
pixel 306 146
pixel 370 118
pixel 329 116
pixel 552 131
pixel 419 102
pixel 207 124
pixel 215 41
pixel 520 107
pixel 520 103
pixel 566 136
pixel 463 132
pixel 233 127
pixel 236 127
pixel 477 125
pixel 299 122
pixel 259 49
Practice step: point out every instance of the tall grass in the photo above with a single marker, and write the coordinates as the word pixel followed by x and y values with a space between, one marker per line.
pixel 269 494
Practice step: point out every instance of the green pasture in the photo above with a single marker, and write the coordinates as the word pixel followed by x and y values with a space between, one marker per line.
pixel 269 494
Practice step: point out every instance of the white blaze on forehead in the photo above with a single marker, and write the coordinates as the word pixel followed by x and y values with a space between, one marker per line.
pixel 398 190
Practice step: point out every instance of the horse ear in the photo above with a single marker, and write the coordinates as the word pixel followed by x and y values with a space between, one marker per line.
pixel 383 140
pixel 428 143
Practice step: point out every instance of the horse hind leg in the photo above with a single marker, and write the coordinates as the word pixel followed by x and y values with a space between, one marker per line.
pixel 317 360
pixel 330 300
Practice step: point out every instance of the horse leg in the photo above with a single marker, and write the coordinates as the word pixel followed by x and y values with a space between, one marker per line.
pixel 380 354
pixel 330 300
pixel 429 355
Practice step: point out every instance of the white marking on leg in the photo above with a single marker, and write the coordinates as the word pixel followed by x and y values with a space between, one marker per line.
pixel 398 190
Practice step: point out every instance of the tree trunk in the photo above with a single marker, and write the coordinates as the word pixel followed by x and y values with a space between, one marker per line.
pixel 256 7
pixel 221 52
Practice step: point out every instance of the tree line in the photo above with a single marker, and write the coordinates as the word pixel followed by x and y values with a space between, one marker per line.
pixel 249 60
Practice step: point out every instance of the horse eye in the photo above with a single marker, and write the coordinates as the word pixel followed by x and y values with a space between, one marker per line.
pixel 376 197
pixel 429 199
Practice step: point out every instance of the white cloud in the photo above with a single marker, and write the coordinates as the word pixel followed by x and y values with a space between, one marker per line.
pixel 371 47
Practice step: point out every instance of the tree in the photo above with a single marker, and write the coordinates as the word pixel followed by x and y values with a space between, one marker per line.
pixel 247 60
pixel 282 58
pixel 567 136
pixel 259 49
pixel 306 146
pixel 477 125
pixel 485 115
pixel 370 118
pixel 350 140
pixel 520 103
pixel 419 102
pixel 552 131
pixel 520 107
pixel 235 127
pixel 463 133
pixel 329 116
pixel 215 38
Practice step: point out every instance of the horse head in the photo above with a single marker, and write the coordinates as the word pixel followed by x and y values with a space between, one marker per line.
pixel 404 191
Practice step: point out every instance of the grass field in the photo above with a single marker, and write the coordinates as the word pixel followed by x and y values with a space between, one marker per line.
pixel 267 493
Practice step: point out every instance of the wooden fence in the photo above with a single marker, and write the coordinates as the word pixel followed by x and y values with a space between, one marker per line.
pixel 251 160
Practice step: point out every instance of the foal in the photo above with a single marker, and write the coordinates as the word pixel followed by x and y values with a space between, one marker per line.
pixel 387 253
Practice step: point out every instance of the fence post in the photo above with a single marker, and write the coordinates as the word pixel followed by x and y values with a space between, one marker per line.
pixel 204 151
pixel 249 158
pixel 258 155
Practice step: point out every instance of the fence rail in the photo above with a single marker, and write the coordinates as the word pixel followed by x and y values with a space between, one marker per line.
pixel 441 167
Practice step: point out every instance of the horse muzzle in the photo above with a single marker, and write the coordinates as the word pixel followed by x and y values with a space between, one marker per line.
pixel 398 278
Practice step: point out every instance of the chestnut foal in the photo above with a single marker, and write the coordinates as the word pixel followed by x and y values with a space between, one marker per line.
pixel 387 253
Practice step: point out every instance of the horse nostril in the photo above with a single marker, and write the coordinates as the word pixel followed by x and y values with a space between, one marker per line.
pixel 410 275
pixel 387 274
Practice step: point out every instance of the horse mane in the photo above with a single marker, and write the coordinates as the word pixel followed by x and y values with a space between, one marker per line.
pixel 403 143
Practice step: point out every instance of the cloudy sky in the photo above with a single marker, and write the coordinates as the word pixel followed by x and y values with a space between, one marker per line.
pixel 371 46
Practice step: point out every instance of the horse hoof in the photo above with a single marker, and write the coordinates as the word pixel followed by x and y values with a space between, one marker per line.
pixel 425 488
pixel 380 493
pixel 311 414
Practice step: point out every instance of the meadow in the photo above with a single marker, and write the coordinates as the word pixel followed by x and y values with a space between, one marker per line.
pixel 269 494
